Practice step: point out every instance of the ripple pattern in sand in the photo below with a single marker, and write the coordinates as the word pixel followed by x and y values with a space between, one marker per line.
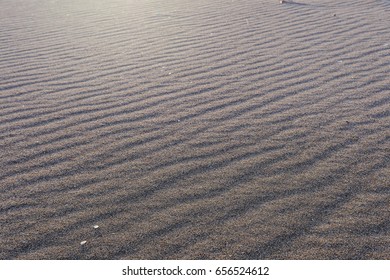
pixel 194 129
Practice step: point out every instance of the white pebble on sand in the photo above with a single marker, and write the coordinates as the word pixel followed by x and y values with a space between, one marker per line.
pixel 95 226
pixel 83 242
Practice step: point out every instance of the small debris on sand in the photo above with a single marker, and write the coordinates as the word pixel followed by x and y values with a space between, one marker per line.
pixel 95 226
pixel 83 242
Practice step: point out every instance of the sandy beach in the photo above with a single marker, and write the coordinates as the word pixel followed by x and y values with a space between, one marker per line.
pixel 178 129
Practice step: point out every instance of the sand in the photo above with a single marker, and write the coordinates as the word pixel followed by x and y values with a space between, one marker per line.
pixel 179 129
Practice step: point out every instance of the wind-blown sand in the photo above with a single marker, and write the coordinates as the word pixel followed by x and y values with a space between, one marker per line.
pixel 200 129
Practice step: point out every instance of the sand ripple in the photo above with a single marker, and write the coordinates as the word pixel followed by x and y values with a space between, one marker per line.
pixel 194 129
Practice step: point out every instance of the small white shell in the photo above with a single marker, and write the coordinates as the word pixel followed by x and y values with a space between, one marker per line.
pixel 95 226
pixel 83 242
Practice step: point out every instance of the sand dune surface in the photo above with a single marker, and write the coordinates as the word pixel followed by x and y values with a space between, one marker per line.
pixel 178 129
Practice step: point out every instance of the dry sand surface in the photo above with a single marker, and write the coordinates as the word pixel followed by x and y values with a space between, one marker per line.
pixel 208 129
